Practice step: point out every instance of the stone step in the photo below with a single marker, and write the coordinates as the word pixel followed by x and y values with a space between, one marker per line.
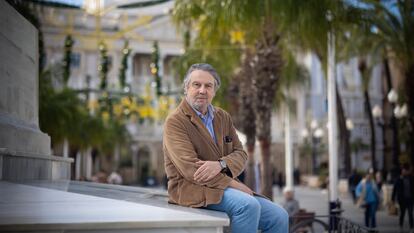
pixel 25 208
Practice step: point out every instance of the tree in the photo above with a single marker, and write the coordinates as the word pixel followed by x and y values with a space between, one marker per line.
pixel 124 64
pixel 103 66
pixel 365 71
pixel 246 115
pixel 308 28
pixel 393 24
pixel 155 67
pixel 255 19
pixel 67 58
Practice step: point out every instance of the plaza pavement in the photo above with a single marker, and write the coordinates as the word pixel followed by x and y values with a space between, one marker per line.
pixel 316 200
pixel 311 199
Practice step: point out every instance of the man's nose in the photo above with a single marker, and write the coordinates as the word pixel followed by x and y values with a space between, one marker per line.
pixel 202 89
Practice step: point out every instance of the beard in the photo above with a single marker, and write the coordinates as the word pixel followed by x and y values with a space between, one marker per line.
pixel 198 106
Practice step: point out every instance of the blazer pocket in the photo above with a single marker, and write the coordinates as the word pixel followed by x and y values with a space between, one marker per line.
pixel 190 194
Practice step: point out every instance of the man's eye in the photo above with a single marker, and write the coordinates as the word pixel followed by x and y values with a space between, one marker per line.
pixel 196 84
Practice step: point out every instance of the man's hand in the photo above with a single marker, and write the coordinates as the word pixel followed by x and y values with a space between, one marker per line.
pixel 207 170
pixel 240 186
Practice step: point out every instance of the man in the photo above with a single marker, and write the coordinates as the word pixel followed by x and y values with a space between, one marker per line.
pixel 403 192
pixel 291 205
pixel 203 156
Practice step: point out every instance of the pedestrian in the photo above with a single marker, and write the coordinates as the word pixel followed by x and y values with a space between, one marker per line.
pixel 280 181
pixel 403 192
pixel 368 197
pixel 114 178
pixel 290 204
pixel 203 156
pixel 379 180
pixel 353 181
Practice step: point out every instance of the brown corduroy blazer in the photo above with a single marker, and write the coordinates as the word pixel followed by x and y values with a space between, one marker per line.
pixel 186 140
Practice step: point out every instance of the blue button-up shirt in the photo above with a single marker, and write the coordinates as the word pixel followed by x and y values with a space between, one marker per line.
pixel 208 120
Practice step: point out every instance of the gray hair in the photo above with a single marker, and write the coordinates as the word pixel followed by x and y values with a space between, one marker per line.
pixel 204 67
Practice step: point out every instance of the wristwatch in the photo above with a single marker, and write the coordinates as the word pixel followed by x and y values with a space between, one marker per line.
pixel 223 165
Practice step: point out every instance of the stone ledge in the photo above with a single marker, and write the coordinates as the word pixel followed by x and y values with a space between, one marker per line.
pixel 147 196
pixel 8 152
pixel 27 208
pixel 20 166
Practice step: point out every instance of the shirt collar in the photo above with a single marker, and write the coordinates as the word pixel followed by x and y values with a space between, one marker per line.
pixel 210 112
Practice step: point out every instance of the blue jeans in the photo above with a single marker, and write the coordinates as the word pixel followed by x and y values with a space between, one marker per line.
pixel 250 213
pixel 370 214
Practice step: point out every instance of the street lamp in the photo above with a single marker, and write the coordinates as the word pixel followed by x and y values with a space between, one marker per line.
pixel 377 111
pixel 315 134
pixel 392 96
pixel 349 124
pixel 398 112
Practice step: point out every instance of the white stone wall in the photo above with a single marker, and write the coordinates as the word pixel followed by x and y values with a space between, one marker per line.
pixel 24 149
pixel 19 121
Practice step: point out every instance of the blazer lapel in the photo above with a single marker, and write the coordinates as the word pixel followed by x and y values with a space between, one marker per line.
pixel 218 131
pixel 202 128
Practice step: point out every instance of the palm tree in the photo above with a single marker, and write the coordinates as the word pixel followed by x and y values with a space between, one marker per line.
pixel 307 26
pixel 257 21
pixel 263 24
pixel 393 22
pixel 246 114
pixel 365 71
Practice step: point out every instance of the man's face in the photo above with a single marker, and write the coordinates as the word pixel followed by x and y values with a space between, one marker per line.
pixel 200 90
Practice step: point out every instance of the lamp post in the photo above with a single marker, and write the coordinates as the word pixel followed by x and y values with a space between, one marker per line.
pixel 316 133
pixel 334 203
pixel 398 112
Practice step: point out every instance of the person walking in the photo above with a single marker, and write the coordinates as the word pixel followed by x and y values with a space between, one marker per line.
pixel 403 192
pixel 368 197
pixel 203 157
pixel 353 181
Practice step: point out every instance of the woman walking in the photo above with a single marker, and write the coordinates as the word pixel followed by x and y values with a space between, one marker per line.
pixel 368 197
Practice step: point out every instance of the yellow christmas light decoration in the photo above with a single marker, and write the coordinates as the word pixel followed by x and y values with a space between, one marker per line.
pixel 153 70
pixel 125 101
pixel 118 110
pixel 237 36
pixel 105 116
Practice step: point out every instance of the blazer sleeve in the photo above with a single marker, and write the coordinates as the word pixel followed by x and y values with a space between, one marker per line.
pixel 182 154
pixel 236 159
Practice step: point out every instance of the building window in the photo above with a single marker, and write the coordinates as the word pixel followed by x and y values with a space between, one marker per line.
pixel 142 65
pixel 169 66
pixel 75 59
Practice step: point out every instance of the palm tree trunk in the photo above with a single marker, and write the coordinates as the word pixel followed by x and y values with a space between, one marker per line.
pixel 250 169
pixel 345 147
pixel 266 169
pixel 247 115
pixel 267 66
pixel 409 79
pixel 372 126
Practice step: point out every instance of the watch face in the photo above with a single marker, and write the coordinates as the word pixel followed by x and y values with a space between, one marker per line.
pixel 223 164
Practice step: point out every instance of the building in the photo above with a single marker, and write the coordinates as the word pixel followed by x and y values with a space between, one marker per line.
pixel 89 26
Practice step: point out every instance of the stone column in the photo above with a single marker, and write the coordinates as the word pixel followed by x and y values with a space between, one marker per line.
pixel 25 151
